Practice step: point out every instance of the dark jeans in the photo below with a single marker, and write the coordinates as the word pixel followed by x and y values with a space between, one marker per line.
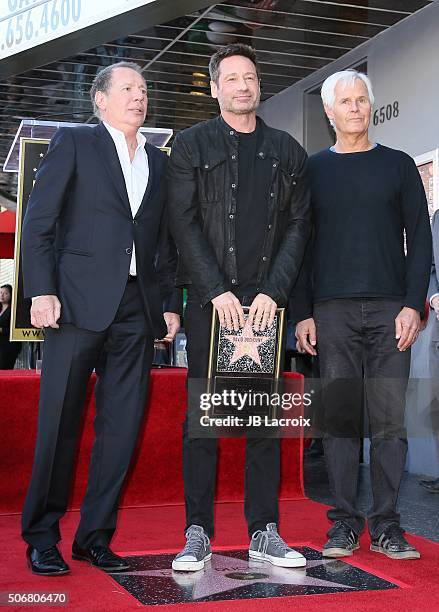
pixel 262 461
pixel 358 353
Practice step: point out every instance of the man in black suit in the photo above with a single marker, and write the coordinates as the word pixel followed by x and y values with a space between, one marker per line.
pixel 99 268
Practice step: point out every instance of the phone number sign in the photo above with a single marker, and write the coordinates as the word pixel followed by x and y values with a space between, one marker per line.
pixel 27 23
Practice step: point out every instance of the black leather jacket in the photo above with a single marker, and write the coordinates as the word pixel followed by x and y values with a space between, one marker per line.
pixel 202 186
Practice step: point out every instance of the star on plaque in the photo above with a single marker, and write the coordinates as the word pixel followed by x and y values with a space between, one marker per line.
pixel 246 344
pixel 246 351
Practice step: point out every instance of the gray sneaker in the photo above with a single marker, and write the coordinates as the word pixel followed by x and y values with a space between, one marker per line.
pixel 269 546
pixel 195 553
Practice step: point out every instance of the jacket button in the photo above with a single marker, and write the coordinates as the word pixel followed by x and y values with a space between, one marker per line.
pixel 128 251
pixel 231 249
pixel 233 185
pixel 261 154
pixel 264 258
pixel 231 216
pixel 272 194
pixel 233 156
pixel 233 281
pixel 269 226
pixel 206 166
pixel 231 132
pixel 274 165
pixel 294 182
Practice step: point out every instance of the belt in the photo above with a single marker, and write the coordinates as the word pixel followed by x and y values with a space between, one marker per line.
pixel 132 278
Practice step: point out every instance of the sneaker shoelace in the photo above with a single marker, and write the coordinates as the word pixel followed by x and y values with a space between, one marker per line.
pixel 271 537
pixel 195 541
pixel 342 532
pixel 392 536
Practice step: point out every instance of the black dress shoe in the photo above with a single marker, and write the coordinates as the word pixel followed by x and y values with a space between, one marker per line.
pixel 101 557
pixel 47 562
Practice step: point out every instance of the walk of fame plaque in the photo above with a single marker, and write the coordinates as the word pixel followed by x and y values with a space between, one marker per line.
pixel 230 575
pixel 246 361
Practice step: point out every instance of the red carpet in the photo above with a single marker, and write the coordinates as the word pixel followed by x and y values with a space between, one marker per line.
pixel 158 528
pixel 156 475
pixel 154 529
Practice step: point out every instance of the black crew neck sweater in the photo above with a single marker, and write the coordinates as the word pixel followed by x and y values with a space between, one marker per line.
pixel 254 175
pixel 362 203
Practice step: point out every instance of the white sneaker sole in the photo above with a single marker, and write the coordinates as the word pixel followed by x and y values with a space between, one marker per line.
pixel 334 552
pixel 285 562
pixel 409 554
pixel 190 566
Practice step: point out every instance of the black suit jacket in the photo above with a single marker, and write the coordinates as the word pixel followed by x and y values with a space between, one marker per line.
pixel 78 232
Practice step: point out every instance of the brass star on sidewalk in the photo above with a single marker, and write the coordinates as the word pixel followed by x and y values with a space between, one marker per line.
pixel 224 573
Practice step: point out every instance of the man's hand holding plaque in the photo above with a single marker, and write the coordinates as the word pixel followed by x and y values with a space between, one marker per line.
pixel 262 312
pixel 231 315
pixel 229 309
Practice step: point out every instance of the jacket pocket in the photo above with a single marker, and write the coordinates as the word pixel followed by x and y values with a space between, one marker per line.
pixel 73 251
pixel 287 184
pixel 210 179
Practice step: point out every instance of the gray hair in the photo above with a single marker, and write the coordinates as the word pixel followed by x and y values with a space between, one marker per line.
pixel 102 80
pixel 347 77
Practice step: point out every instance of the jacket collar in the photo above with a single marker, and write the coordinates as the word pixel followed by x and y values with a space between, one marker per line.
pixel 108 154
pixel 153 160
pixel 267 147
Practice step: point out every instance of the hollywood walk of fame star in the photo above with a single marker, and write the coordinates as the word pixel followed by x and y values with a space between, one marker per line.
pixel 246 344
pixel 219 574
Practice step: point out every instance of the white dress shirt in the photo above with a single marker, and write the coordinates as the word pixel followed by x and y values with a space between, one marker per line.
pixel 136 174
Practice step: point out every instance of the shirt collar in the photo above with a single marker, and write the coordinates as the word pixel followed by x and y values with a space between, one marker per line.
pixel 266 148
pixel 119 137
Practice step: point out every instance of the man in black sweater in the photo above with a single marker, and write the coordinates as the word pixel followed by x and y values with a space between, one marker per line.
pixel 358 302
pixel 239 211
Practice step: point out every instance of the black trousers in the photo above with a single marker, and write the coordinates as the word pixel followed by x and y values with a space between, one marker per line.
pixel 356 336
pixel 262 460
pixel 122 356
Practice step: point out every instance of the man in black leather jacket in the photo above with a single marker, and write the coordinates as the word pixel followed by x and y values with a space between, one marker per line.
pixel 239 213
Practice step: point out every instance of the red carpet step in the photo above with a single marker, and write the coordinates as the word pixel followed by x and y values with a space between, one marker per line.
pixel 155 476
